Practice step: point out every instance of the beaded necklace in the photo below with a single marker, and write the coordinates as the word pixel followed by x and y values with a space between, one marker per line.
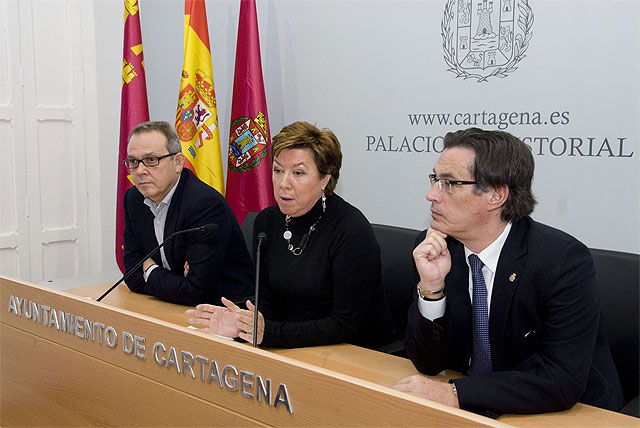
pixel 305 238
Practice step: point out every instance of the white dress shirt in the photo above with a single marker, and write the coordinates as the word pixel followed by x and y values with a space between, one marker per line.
pixel 159 212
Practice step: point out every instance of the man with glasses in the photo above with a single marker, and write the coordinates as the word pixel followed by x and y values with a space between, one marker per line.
pixel 193 267
pixel 507 301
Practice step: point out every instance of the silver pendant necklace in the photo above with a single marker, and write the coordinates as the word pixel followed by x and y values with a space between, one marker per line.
pixel 305 238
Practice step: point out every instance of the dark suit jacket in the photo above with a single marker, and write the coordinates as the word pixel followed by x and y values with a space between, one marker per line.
pixel 548 345
pixel 219 262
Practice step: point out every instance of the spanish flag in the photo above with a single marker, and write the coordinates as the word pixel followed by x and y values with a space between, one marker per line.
pixel 197 114
pixel 134 108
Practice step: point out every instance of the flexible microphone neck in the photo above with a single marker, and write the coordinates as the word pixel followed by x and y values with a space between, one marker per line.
pixel 261 238
pixel 210 227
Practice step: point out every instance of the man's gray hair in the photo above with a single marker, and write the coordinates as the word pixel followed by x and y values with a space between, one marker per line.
pixel 173 142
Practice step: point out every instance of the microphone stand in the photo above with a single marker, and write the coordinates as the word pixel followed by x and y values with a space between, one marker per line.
pixel 206 228
pixel 261 237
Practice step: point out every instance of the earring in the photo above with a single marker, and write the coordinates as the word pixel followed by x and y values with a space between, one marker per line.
pixel 324 201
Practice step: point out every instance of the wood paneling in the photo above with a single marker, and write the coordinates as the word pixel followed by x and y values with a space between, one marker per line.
pixel 53 385
pixel 319 397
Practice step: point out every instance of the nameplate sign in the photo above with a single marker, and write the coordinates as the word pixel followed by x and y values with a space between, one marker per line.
pixel 168 369
pixel 173 358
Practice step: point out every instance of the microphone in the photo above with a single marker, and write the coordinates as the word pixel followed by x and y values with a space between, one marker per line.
pixel 261 238
pixel 210 227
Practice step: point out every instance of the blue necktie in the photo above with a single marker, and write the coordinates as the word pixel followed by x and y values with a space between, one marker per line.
pixel 481 358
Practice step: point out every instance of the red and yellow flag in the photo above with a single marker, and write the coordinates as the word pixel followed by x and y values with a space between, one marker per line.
pixel 249 186
pixel 197 114
pixel 134 108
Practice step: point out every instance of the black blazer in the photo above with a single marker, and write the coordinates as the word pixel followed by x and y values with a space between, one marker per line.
pixel 548 345
pixel 219 262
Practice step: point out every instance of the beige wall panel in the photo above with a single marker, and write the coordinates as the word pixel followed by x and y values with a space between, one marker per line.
pixel 8 194
pixel 5 63
pixel 14 226
pixel 57 161
pixel 60 259
pixel 9 261
pixel 47 94
pixel 52 52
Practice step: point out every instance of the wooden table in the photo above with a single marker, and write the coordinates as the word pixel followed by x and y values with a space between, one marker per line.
pixel 372 366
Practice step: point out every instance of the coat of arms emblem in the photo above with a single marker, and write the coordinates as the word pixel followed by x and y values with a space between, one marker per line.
pixel 195 105
pixel 247 142
pixel 485 38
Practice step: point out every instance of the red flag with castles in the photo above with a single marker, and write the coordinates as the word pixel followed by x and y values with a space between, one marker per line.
pixel 249 186
pixel 134 108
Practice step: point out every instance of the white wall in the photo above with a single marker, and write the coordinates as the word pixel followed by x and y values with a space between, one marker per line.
pixel 361 68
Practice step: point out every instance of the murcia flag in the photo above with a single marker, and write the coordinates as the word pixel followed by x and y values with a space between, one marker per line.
pixel 133 107
pixel 197 114
pixel 249 187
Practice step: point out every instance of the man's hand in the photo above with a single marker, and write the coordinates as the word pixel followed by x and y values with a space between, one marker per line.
pixel 186 269
pixel 433 260
pixel 424 387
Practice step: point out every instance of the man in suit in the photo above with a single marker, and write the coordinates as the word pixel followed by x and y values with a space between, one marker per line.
pixel 510 302
pixel 193 267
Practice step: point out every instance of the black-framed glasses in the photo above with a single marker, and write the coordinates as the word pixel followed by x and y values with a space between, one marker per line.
pixel 446 184
pixel 148 161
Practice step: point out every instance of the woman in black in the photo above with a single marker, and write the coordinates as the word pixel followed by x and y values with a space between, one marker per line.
pixel 321 277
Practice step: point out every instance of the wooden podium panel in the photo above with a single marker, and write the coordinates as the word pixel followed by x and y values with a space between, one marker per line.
pixel 53 375
pixel 52 385
pixel 365 364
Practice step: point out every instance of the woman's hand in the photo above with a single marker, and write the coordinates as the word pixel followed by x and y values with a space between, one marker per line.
pixel 245 323
pixel 220 320
pixel 228 320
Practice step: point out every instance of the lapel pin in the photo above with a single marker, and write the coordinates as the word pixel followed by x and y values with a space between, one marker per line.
pixel 512 277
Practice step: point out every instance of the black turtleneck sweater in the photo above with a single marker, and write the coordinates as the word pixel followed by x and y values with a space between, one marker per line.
pixel 332 292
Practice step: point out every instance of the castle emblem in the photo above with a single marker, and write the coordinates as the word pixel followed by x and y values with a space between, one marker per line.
pixel 247 142
pixel 486 38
